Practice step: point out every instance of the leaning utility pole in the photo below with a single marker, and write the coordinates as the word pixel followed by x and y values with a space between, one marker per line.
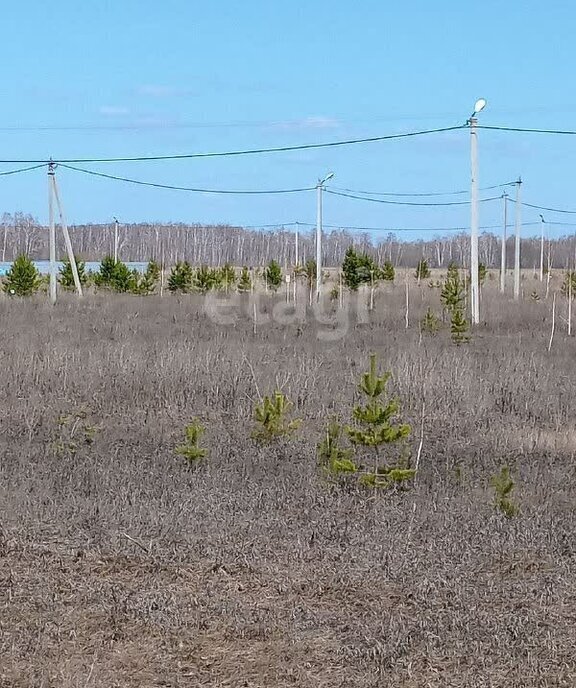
pixel 518 224
pixel 54 195
pixel 319 190
pixel 503 255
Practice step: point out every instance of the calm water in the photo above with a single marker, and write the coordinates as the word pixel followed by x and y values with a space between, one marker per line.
pixel 44 266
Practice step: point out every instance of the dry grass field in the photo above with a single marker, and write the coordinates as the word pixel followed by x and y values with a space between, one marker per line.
pixel 120 567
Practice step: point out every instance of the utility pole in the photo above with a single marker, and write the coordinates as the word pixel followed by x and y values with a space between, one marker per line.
pixel 518 224
pixel 319 190
pixel 542 222
pixel 67 241
pixel 52 233
pixel 116 223
pixel 474 282
pixel 503 255
pixel 296 247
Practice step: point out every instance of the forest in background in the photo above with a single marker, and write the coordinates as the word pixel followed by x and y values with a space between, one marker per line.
pixel 216 245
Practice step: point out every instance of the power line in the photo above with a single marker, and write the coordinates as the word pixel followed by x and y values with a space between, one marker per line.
pixel 429 194
pixel 551 210
pixel 563 132
pixel 22 169
pixel 184 188
pixel 411 203
pixel 253 151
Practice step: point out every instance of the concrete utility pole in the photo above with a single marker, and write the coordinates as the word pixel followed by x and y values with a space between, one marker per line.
pixel 518 224
pixel 296 246
pixel 474 282
pixel 67 241
pixel 52 234
pixel 116 223
pixel 542 223
pixel 503 255
pixel 319 190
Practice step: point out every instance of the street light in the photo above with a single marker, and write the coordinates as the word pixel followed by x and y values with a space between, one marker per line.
pixel 319 189
pixel 475 295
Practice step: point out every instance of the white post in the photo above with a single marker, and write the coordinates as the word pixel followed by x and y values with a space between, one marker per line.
pixel 542 248
pixel 67 241
pixel 503 256
pixel 518 223
pixel 475 287
pixel 318 239
pixel 296 247
pixel 115 240
pixel 52 234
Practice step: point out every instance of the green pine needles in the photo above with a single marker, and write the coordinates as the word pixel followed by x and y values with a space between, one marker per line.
pixel 503 485
pixel 23 278
pixel 453 296
pixel 422 270
pixel 378 455
pixel 66 276
pixel 273 275
pixel 245 282
pixel 180 279
pixel 430 323
pixel 190 449
pixel 272 419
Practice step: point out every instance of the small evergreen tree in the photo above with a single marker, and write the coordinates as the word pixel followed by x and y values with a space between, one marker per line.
pixel 452 294
pixel 375 429
pixel 105 274
pixel 430 323
pixel 350 266
pixel 569 284
pixel 388 273
pixel 244 283
pixel 180 279
pixel 422 270
pixel 23 278
pixel 273 275
pixel 503 485
pixel 146 283
pixel 66 276
pixel 123 279
pixel 310 272
pixel 153 271
pixel 333 459
pixel 190 449
pixel 272 419
pixel 459 326
pixel 482 273
pixel 206 279
pixel 227 276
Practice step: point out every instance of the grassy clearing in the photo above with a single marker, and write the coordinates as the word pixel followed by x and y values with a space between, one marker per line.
pixel 120 566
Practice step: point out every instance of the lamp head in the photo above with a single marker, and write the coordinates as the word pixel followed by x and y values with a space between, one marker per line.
pixel 479 105
pixel 326 178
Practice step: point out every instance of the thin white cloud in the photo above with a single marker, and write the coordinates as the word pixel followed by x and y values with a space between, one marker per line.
pixel 114 110
pixel 315 122
pixel 162 91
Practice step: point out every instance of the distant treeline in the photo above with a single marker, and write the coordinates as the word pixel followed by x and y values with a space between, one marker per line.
pixel 220 244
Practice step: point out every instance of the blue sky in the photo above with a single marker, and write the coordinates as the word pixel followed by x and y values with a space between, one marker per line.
pixel 127 77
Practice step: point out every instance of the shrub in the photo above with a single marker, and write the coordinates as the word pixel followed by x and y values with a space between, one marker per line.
pixel 227 276
pixel 205 279
pixel 459 327
pixel 358 269
pixel 333 459
pixel 23 278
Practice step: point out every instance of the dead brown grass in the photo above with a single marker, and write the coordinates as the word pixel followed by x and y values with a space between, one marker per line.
pixel 120 567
